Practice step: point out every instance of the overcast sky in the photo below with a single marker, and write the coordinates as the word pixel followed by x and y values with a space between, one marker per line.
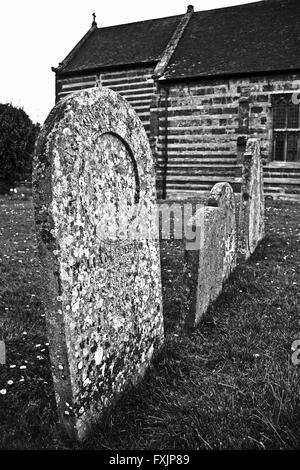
pixel 37 34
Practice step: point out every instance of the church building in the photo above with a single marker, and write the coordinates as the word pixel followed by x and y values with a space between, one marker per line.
pixel 202 83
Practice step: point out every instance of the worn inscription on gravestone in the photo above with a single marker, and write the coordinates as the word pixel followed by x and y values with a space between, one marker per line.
pixel 222 196
pixel 93 175
pixel 214 258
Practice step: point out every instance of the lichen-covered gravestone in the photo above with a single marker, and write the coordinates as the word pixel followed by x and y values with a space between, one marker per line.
pixel 251 224
pixel 93 168
pixel 222 196
pixel 213 257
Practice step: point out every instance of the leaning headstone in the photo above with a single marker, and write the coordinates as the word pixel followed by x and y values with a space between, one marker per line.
pixel 213 258
pixel 251 224
pixel 222 196
pixel 93 176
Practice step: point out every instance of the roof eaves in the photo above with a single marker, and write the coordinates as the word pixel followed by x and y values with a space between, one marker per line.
pixel 102 69
pixel 225 74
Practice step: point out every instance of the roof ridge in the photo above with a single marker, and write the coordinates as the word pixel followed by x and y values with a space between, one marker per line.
pixel 260 29
pixel 140 21
pixel 243 5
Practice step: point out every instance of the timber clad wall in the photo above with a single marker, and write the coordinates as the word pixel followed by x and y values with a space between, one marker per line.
pixel 135 85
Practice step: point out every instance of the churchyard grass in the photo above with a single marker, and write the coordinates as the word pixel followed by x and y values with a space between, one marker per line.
pixel 228 384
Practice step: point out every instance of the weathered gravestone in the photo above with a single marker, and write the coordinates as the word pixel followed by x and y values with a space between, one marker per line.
pixel 222 196
pixel 92 167
pixel 2 353
pixel 213 258
pixel 251 224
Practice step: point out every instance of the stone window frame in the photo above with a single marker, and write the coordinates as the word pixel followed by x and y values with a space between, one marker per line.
pixel 282 132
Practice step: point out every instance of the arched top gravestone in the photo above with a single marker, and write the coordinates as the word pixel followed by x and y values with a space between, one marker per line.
pixel 94 195
pixel 222 195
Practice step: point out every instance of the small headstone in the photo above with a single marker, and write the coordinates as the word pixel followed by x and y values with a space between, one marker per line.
pixel 93 172
pixel 212 261
pixel 222 196
pixel 251 224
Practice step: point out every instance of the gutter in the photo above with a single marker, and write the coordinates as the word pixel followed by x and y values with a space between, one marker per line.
pixel 225 75
pixel 103 69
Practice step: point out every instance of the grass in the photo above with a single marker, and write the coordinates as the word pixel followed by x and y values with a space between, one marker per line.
pixel 229 384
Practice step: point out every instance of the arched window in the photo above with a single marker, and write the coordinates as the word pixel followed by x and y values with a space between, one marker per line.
pixel 286 127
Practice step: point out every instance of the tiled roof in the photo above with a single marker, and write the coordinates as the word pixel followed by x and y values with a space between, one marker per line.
pixel 126 44
pixel 256 37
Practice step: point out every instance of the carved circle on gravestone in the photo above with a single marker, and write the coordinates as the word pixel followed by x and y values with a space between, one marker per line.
pixel 109 199
pixel 93 173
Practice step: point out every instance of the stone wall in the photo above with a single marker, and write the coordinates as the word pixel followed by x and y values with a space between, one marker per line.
pixel 199 122
pixel 194 125
pixel 92 169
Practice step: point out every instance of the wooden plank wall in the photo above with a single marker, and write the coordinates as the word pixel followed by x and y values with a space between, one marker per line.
pixel 136 85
